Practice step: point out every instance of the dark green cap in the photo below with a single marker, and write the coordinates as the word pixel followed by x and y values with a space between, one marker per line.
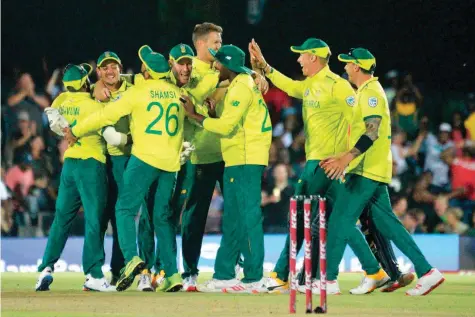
pixel 232 57
pixel 76 75
pixel 156 63
pixel 361 57
pixel 108 55
pixel 181 51
pixel 313 46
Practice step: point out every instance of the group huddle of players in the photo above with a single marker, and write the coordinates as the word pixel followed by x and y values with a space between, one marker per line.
pixel 156 143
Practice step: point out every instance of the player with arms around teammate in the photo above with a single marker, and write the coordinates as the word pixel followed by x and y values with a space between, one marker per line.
pixel 157 131
pixel 369 168
pixel 83 181
pixel 207 165
pixel 328 103
pixel 246 134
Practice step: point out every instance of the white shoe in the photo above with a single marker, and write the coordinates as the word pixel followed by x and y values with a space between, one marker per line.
pixel 158 279
pixel 216 286
pixel 44 280
pixel 315 287
pixel 333 288
pixel 275 285
pixel 189 283
pixel 371 282
pixel 145 283
pixel 427 283
pixel 97 284
pixel 253 288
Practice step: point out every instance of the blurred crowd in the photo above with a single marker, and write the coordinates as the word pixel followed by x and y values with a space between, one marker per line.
pixel 432 190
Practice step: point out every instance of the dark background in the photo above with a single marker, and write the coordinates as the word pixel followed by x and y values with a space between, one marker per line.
pixel 432 39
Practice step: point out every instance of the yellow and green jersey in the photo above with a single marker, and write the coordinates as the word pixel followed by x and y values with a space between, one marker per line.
pixel 123 125
pixel 202 84
pixel 76 107
pixel 244 124
pixel 328 105
pixel 156 122
pixel 376 162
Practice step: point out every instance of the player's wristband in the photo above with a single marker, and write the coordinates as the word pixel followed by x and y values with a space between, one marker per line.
pixel 363 143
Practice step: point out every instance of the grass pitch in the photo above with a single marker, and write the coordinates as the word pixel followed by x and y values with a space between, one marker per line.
pixel 456 297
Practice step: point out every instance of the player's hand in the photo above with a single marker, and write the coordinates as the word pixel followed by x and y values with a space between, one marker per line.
pixel 68 135
pixel 257 58
pixel 335 166
pixel 187 105
pixel 211 105
pixel 261 83
pixel 101 92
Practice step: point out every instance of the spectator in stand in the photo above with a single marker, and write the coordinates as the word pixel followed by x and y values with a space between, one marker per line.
pixel 399 204
pixel 421 218
pixel 25 98
pixel 410 222
pixel 452 222
pixel 433 160
pixel 213 222
pixel 463 179
pixel 286 129
pixel 408 101
pixel 54 86
pixel 20 142
pixel 276 199
pixel 402 152
pixel 459 132
pixel 19 180
pixel 470 121
pixel 393 79
pixel 7 222
pixel 276 100
pixel 41 163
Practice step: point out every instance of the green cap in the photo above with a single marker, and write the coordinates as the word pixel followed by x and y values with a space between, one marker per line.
pixel 75 76
pixel 108 55
pixel 361 57
pixel 313 46
pixel 181 51
pixel 156 63
pixel 232 57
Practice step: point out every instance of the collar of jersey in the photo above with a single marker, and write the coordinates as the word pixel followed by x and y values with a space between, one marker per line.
pixel 202 66
pixel 322 73
pixel 366 83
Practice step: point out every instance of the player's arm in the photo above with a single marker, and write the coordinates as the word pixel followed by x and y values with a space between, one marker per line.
pixel 108 115
pixel 292 87
pixel 236 105
pixel 371 107
pixel 113 137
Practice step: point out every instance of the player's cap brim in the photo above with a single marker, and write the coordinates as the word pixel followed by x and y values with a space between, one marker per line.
pixel 87 67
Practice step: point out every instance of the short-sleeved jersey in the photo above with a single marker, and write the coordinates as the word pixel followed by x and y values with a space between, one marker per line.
pixel 76 107
pixel 328 105
pixel 376 162
pixel 202 85
pixel 123 125
pixel 156 122
pixel 244 124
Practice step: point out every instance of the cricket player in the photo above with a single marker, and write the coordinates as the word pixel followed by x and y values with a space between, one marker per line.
pixel 328 104
pixel 157 131
pixel 369 168
pixel 83 182
pixel 246 133
pixel 180 61
pixel 207 165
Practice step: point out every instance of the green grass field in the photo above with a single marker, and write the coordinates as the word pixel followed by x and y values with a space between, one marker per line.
pixel 456 297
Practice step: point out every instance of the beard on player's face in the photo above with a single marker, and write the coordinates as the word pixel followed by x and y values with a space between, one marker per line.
pixel 182 70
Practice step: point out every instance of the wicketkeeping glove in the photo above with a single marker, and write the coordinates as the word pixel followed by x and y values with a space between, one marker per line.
pixel 56 121
pixel 186 152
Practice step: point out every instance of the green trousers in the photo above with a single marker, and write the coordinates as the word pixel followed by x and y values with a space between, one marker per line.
pixel 82 181
pixel 147 249
pixel 242 224
pixel 193 220
pixel 313 181
pixel 115 174
pixel 357 193
pixel 138 178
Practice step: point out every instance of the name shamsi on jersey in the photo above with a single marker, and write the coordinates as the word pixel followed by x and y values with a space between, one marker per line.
pixel 162 94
